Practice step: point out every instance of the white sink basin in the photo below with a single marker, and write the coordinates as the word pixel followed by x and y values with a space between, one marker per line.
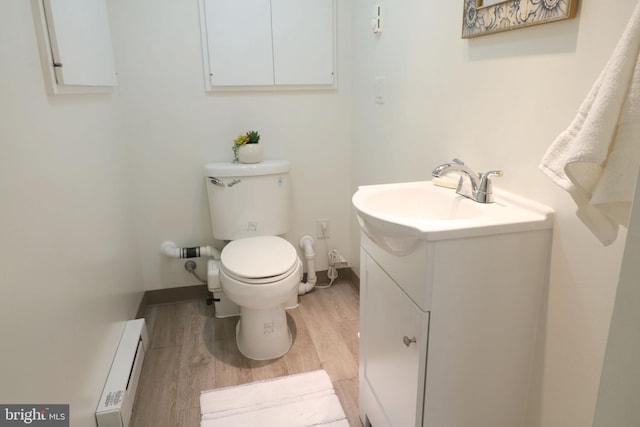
pixel 397 216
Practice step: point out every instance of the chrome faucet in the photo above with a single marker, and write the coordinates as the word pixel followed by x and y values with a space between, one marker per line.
pixel 475 186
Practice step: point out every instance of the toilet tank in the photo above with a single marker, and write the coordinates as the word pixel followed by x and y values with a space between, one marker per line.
pixel 247 200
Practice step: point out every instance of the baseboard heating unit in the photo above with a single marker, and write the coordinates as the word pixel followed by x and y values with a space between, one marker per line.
pixel 116 403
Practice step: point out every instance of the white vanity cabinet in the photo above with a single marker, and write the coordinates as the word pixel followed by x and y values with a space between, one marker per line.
pixel 472 305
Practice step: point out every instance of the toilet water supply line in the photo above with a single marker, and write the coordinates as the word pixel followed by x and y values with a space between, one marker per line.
pixel 170 250
pixel 306 243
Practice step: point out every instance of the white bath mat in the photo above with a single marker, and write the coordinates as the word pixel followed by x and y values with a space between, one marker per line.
pixel 299 400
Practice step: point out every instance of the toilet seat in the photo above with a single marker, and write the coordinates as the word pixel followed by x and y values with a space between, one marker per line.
pixel 259 260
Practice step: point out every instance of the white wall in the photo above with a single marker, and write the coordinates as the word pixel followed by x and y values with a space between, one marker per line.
pixel 174 128
pixel 69 266
pixel 497 102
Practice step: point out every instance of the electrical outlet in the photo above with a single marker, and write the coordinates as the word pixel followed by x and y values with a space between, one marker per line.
pixel 323 228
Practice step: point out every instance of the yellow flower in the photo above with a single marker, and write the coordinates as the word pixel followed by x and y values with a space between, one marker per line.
pixel 241 139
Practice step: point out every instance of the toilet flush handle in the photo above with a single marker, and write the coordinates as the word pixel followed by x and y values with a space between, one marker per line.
pixel 216 181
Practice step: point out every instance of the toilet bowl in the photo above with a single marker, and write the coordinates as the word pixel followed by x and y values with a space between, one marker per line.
pixel 260 274
pixel 249 207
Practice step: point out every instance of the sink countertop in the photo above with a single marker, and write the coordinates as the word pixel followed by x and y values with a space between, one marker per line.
pixel 422 210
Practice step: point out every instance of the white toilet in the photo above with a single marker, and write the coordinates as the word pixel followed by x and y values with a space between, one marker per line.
pixel 259 271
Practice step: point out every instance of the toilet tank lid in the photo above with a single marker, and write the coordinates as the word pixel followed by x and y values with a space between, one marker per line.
pixel 265 167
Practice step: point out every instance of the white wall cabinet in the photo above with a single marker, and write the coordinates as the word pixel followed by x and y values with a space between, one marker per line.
pixel 268 43
pixel 75 45
pixel 473 307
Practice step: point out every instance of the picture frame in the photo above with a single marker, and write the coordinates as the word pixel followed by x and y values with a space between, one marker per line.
pixel 479 20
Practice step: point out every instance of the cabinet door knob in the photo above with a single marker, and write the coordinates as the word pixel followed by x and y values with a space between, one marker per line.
pixel 407 341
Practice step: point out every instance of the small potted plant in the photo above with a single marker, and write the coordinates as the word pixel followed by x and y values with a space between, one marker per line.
pixel 246 148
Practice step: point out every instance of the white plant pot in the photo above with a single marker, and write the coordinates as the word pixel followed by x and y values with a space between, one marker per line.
pixel 250 153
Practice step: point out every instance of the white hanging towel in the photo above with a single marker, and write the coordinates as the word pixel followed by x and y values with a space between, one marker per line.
pixel 596 159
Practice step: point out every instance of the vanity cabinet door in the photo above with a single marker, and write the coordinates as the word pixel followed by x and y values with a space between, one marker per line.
pixel 394 362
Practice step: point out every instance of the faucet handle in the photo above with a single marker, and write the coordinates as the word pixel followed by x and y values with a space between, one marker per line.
pixel 489 174
pixel 485 189
pixel 458 161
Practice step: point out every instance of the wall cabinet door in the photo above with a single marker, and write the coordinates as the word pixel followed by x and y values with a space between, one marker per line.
pixel 239 42
pixel 79 42
pixel 394 368
pixel 302 42
pixel 267 43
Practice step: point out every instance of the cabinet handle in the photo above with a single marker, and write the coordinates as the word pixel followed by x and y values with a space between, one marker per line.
pixel 408 341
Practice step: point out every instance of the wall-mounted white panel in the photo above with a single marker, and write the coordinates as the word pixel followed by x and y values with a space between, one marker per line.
pixel 268 44
pixel 239 42
pixel 303 41
pixel 80 42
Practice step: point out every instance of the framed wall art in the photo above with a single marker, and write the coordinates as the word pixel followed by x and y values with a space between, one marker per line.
pixel 482 17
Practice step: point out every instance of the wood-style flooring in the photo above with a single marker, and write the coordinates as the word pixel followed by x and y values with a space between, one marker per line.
pixel 191 351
